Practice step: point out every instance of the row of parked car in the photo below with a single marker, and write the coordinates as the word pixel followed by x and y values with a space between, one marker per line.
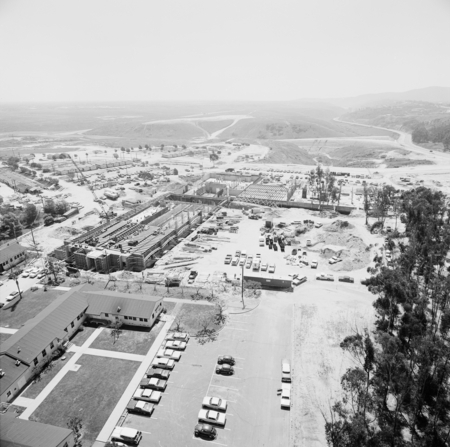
pixel 214 408
pixel 330 277
pixel 151 387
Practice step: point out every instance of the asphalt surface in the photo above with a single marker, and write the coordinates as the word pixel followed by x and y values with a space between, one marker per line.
pixel 259 340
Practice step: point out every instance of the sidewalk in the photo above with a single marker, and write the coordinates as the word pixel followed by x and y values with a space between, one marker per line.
pixel 7 330
pixel 133 385
pixel 67 367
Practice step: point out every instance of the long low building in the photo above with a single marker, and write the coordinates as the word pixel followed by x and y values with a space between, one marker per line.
pixel 11 254
pixel 32 346
pixel 269 281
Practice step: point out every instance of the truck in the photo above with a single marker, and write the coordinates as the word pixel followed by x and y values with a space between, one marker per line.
pixel 112 195
pixel 269 281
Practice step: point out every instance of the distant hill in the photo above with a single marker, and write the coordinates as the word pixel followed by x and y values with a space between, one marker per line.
pixel 428 94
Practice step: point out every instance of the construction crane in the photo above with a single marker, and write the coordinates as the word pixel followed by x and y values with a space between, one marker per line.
pixel 106 214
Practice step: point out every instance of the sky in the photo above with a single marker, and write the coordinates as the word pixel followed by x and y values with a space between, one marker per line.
pixel 111 50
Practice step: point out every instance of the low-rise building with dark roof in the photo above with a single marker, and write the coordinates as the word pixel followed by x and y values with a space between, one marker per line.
pixel 11 254
pixel 33 345
pixel 15 432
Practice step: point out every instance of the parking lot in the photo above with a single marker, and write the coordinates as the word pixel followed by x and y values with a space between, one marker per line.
pixel 258 340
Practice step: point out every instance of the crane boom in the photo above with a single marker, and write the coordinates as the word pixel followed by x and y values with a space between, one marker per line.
pixel 92 190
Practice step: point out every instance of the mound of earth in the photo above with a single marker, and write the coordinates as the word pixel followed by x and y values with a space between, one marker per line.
pixel 355 254
pixel 65 232
pixel 338 225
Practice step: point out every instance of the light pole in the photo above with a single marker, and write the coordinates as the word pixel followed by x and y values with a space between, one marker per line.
pixel 242 287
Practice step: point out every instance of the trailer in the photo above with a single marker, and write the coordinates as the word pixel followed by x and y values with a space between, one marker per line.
pixel 70 213
pixel 270 281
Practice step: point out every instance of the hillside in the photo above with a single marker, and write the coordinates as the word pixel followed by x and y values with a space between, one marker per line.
pixel 428 94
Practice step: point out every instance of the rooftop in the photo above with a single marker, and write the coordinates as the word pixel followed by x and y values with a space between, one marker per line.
pixel 7 251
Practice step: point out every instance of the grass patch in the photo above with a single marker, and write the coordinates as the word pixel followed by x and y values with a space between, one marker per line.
pixel 400 162
pixel 91 393
pixel 81 336
pixel 36 387
pixel 192 315
pixel 28 307
pixel 169 305
pixel 4 337
pixel 133 341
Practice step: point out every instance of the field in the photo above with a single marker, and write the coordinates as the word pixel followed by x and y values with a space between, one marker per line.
pixel 28 307
pixel 133 341
pixel 192 315
pixel 90 393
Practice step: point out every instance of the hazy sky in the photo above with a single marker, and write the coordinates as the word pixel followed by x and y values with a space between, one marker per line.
pixel 220 49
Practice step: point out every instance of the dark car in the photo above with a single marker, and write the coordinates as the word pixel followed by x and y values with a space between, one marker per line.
pixel 158 373
pixel 205 431
pixel 294 252
pixel 275 247
pixel 140 407
pixel 225 369
pixel 253 217
pixel 346 279
pixel 226 359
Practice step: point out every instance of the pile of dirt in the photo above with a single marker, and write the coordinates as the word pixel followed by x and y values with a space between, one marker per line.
pixel 330 214
pixel 65 233
pixel 301 229
pixel 338 226
pixel 355 254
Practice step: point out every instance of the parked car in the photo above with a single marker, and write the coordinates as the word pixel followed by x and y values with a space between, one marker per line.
pixel 228 259
pixel 140 407
pixel 158 373
pixel 12 295
pixel 227 370
pixel 25 274
pixel 169 353
pixel 176 344
pixel 334 260
pixel 182 336
pixel 215 403
pixel 285 395
pixel 154 384
pixel 163 363
pixel 272 266
pixel 286 371
pixel 323 277
pixel 314 264
pixel 264 266
pixel 129 436
pixel 212 417
pixel 226 359
pixel 205 431
pixel 297 281
pixel 346 279
pixel 147 395
pixel 318 225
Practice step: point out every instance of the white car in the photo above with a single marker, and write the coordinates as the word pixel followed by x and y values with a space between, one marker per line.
pixel 183 336
pixel 25 274
pixel 333 260
pixel 33 274
pixel 297 281
pixel 314 264
pixel 176 344
pixel 11 296
pixel 212 417
pixel 169 353
pixel 215 403
pixel 272 268
pixel 263 266
pixel 148 395
pixel 163 362
pixel 285 395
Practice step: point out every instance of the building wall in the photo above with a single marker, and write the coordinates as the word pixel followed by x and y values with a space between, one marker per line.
pixel 11 262
pixel 28 375
pixel 131 321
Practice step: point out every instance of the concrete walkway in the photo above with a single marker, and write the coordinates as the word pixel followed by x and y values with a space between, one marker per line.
pixel 7 330
pixel 133 385
pixel 31 408
pixel 181 300
pixel 24 401
pixel 111 354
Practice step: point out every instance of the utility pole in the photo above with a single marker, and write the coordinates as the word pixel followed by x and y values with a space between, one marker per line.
pixel 242 287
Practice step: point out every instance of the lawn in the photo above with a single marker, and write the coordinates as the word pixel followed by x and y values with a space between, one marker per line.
pixel 4 337
pixel 36 387
pixel 81 336
pixel 192 315
pixel 91 393
pixel 134 341
pixel 28 307
pixel 169 306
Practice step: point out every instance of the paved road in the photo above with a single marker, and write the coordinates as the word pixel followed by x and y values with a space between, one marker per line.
pixel 258 340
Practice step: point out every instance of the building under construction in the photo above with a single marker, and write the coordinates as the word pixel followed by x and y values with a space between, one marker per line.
pixel 135 240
